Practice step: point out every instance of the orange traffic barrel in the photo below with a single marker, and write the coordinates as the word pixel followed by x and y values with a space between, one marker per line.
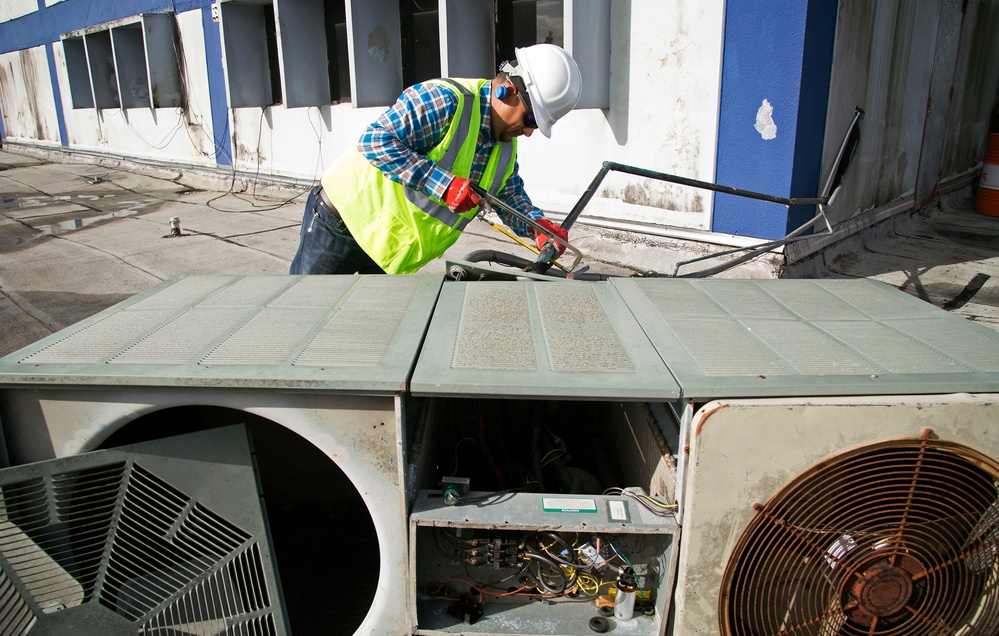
pixel 988 187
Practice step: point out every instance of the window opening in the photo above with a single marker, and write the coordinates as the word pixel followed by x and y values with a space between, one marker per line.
pixel 105 79
pixel 78 72
pixel 270 30
pixel 421 46
pixel 338 63
pixel 521 23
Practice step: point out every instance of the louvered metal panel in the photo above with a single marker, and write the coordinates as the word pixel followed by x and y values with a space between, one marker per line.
pixel 764 338
pixel 162 537
pixel 550 339
pixel 349 333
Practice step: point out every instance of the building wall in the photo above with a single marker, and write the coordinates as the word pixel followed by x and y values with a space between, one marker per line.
pixel 664 62
pixel 27 101
pixel 925 76
pixel 687 88
pixel 775 84
pixel 16 8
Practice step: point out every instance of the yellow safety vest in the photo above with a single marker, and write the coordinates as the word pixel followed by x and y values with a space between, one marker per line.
pixel 403 229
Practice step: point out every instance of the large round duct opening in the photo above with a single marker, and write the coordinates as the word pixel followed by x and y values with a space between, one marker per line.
pixel 323 536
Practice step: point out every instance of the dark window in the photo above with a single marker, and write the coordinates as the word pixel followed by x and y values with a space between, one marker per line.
pixel 336 50
pixel 521 23
pixel 78 72
pixel 421 45
pixel 270 29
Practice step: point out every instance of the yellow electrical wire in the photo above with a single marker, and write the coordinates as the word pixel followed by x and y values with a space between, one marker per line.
pixel 588 584
pixel 522 242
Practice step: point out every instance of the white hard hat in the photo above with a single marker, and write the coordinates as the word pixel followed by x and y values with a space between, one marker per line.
pixel 551 79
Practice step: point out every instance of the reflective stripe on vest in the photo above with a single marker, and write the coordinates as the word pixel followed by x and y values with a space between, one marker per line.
pixel 399 234
pixel 504 163
pixel 419 198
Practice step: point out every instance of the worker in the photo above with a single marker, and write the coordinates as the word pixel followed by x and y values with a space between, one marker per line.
pixel 402 196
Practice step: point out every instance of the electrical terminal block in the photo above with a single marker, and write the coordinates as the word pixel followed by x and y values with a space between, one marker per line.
pixel 593 558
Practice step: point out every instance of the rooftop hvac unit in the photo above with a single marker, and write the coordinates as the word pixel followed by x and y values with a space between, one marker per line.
pixel 163 537
pixel 842 469
pixel 545 400
pixel 315 367
pixel 879 518
pixel 831 455
pixel 745 456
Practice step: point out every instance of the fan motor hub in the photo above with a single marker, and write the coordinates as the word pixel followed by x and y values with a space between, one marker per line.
pixel 880 587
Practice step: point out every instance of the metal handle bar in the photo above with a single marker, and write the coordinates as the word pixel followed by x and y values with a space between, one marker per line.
pixel 491 202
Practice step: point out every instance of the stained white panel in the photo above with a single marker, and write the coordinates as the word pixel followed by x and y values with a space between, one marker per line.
pixel 375 42
pixel 549 339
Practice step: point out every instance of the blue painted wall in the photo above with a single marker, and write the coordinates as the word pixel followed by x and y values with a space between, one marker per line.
pixel 48 24
pixel 778 51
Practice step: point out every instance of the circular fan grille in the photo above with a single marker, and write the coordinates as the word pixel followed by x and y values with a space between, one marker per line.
pixel 897 538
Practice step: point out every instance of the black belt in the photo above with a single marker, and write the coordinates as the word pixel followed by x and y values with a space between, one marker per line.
pixel 326 200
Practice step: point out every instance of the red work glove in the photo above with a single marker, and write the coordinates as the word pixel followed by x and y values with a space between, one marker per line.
pixel 459 196
pixel 557 230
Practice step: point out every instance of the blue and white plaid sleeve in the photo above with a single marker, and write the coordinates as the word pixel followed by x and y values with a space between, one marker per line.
pixel 514 194
pixel 397 141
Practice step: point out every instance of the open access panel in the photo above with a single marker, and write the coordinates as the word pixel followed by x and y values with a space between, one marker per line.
pixel 541 404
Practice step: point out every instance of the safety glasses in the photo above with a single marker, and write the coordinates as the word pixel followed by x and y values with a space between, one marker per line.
pixel 529 120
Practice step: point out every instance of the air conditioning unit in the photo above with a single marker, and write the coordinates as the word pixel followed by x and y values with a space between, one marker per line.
pixel 827 443
pixel 842 469
pixel 314 367
pixel 545 400
pixel 528 455
pixel 842 516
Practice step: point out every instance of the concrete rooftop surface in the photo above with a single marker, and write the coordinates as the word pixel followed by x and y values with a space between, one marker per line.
pixel 79 236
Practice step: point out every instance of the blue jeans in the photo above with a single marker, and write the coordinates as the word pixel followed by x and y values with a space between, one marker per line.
pixel 325 245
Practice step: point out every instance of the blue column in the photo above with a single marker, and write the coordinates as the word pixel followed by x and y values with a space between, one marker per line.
pixel 56 94
pixel 775 86
pixel 216 88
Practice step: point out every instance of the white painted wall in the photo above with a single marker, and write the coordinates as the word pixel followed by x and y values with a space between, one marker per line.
pixel 664 84
pixel 198 118
pixel 11 9
pixel 27 100
pixel 296 142
pixel 167 134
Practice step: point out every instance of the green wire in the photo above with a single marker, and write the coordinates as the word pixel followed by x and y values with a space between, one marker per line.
pixel 637 580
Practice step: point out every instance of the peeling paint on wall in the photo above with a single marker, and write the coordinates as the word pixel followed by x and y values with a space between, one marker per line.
pixel 765 124
pixel 378 43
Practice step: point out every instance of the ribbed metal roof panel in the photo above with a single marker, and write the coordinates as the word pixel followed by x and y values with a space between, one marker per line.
pixel 557 339
pixel 345 333
pixel 762 338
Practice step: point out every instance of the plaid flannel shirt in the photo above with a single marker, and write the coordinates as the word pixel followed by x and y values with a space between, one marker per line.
pixel 397 144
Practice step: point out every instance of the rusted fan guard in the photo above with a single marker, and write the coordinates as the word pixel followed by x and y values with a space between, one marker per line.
pixel 897 538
